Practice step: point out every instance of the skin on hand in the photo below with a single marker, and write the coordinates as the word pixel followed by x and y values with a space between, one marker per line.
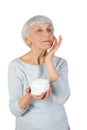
pixel 54 48
pixel 43 95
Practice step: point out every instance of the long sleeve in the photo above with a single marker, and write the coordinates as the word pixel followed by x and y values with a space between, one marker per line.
pixel 15 88
pixel 61 91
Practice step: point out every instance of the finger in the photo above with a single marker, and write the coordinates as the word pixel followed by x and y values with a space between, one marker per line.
pixel 47 94
pixel 27 90
pixel 33 96
pixel 40 96
pixel 54 48
pixel 50 90
pixel 56 44
pixel 60 39
pixel 43 95
pixel 54 40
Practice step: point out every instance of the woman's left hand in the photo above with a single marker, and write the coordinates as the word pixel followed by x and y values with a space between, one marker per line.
pixel 46 94
pixel 54 48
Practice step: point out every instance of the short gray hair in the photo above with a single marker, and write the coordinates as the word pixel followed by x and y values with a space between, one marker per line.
pixel 32 21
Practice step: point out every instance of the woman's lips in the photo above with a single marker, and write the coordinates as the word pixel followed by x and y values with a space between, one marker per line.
pixel 46 41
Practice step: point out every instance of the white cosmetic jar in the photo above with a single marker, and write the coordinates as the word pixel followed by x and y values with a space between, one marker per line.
pixel 39 86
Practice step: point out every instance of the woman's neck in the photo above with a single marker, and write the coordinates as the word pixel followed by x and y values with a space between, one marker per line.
pixel 35 57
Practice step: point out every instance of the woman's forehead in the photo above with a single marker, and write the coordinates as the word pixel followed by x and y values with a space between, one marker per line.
pixel 41 25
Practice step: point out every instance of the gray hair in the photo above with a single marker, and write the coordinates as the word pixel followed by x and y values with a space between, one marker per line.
pixel 32 21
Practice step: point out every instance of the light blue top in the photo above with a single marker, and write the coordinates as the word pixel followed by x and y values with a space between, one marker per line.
pixel 46 114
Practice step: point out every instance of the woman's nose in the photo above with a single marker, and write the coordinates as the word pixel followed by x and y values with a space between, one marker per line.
pixel 46 33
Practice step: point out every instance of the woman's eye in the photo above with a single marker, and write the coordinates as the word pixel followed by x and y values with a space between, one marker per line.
pixel 49 30
pixel 39 30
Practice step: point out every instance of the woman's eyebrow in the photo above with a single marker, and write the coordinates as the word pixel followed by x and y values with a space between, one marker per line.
pixel 37 26
pixel 42 27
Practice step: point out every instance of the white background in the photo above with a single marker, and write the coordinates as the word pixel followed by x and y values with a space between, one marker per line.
pixel 70 20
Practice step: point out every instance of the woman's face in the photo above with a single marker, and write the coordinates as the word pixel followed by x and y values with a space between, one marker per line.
pixel 41 36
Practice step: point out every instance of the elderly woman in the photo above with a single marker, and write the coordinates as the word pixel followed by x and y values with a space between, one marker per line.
pixel 44 111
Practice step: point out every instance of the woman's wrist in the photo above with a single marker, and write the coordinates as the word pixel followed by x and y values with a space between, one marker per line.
pixel 24 101
pixel 49 61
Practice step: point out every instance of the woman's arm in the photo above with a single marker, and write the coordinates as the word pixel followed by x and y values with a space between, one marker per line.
pixel 18 102
pixel 58 74
pixel 52 72
pixel 60 85
pixel 24 101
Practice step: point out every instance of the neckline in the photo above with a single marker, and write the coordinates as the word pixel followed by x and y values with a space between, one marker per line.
pixel 30 64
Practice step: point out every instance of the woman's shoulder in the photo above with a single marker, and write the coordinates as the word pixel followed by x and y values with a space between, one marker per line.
pixel 60 63
pixel 14 63
pixel 59 60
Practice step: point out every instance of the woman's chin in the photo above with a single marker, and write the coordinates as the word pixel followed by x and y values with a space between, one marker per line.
pixel 47 46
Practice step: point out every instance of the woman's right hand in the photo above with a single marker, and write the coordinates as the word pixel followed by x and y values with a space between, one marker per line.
pixel 43 95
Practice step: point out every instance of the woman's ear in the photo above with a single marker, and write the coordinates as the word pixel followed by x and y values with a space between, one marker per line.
pixel 28 40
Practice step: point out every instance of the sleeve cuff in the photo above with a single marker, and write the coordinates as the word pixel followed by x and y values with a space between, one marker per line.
pixel 16 110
